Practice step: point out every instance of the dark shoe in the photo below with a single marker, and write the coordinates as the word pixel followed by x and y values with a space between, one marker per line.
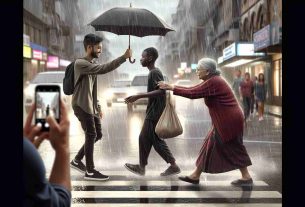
pixel 95 175
pixel 78 165
pixel 240 182
pixel 171 170
pixel 136 169
pixel 189 180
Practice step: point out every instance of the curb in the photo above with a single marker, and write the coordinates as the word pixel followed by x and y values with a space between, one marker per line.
pixel 274 114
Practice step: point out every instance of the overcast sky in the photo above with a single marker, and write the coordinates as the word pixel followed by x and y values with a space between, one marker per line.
pixel 118 44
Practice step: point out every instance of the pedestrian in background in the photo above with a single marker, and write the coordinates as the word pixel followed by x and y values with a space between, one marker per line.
pixel 253 99
pixel 236 83
pixel 246 90
pixel 38 191
pixel 223 148
pixel 261 95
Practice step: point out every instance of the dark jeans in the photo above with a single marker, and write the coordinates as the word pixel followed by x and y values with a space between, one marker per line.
pixel 253 102
pixel 149 138
pixel 247 105
pixel 92 127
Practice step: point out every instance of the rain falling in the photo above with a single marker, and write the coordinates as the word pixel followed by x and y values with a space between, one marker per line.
pixel 238 36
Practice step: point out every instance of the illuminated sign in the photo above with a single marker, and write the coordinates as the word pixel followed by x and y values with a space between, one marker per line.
pixel 188 70
pixel 53 62
pixel 37 54
pixel 27 52
pixel 26 40
pixel 44 56
pixel 194 66
pixel 247 49
pixel 229 51
pixel 180 71
pixel 261 38
pixel 239 49
pixel 183 65
pixel 220 60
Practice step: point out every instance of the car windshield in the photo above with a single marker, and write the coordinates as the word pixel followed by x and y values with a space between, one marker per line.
pixel 139 81
pixel 118 84
pixel 48 78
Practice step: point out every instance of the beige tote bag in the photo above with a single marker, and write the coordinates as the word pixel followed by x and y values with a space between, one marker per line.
pixel 168 125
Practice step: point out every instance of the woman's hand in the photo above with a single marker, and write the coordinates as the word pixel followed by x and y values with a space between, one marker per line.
pixel 100 114
pixel 165 86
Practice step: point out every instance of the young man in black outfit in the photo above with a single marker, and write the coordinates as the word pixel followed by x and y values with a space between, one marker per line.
pixel 156 103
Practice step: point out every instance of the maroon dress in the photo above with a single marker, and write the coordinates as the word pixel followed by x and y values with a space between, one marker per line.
pixel 223 148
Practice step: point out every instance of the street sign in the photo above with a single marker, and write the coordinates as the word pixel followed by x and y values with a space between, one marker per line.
pixel 194 66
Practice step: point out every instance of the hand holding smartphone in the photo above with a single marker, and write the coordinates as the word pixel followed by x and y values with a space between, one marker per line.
pixel 47 101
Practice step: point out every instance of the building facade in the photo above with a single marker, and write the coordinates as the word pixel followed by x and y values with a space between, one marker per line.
pixel 53 33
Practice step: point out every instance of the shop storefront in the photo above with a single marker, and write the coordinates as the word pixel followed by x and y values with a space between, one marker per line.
pixel 39 57
pixel 269 40
pixel 27 56
pixel 241 55
pixel 34 59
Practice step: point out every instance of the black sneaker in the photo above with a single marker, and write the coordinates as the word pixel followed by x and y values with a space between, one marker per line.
pixel 135 169
pixel 78 165
pixel 95 175
pixel 171 170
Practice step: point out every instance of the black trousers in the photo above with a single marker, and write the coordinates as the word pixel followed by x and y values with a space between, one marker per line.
pixel 92 127
pixel 149 138
pixel 247 106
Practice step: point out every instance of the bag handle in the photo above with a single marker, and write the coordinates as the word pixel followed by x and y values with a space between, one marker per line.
pixel 168 99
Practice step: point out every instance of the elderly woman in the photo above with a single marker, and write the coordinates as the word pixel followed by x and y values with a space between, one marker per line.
pixel 223 148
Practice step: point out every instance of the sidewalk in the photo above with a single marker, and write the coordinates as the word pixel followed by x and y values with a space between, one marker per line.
pixel 274 110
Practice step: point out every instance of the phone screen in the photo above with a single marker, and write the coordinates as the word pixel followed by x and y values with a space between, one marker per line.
pixel 47 104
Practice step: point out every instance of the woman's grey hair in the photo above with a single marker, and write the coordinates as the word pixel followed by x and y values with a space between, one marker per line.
pixel 209 64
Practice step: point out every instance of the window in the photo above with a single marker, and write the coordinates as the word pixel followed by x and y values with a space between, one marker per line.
pixel 24 28
pixel 31 33
pixel 37 36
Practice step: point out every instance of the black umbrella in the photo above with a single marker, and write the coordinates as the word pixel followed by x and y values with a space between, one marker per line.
pixel 131 21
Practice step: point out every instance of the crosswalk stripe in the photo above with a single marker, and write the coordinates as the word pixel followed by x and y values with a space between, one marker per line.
pixel 177 205
pixel 156 183
pixel 173 194
pixel 157 173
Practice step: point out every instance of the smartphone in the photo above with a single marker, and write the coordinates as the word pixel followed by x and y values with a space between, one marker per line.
pixel 47 101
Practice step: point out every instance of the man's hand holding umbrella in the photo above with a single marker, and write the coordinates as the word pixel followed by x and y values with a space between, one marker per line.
pixel 128 53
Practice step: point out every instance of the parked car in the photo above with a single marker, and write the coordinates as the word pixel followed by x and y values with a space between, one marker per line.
pixel 45 78
pixel 184 82
pixel 117 92
pixel 121 89
pixel 139 85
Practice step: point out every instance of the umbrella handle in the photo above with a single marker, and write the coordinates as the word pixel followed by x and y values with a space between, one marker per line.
pixel 132 61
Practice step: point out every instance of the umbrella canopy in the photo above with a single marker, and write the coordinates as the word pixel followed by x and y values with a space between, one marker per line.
pixel 131 21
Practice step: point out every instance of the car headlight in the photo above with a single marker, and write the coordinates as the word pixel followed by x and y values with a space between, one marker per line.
pixel 108 94
pixel 131 92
